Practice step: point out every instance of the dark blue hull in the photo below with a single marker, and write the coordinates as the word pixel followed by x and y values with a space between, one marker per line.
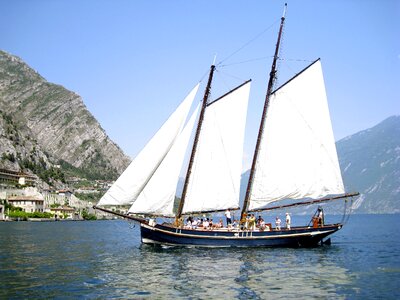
pixel 296 237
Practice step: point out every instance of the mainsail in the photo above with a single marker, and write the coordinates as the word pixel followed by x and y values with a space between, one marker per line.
pixel 297 156
pixel 132 181
pixel 215 179
pixel 157 198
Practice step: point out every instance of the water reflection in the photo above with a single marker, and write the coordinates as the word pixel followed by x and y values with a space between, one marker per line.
pixel 234 273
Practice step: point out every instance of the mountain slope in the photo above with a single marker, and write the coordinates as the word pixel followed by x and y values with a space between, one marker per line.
pixel 57 120
pixel 370 163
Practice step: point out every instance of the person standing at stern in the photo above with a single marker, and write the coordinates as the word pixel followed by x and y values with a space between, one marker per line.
pixel 228 217
pixel 288 221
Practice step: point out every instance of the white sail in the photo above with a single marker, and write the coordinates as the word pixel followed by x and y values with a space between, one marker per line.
pixel 132 181
pixel 297 157
pixel 157 198
pixel 215 179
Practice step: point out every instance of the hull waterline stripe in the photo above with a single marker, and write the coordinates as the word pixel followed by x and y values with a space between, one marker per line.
pixel 290 235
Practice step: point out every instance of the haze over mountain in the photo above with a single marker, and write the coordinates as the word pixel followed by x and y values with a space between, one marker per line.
pixel 42 123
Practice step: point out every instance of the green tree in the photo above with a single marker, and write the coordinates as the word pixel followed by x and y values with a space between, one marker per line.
pixel 88 216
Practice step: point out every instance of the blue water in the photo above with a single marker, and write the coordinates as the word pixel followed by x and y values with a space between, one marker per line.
pixel 104 259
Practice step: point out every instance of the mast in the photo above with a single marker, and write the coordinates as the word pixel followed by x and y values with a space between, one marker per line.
pixel 196 139
pixel 272 77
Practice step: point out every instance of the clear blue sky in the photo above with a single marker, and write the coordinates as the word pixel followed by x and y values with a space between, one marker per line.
pixel 134 61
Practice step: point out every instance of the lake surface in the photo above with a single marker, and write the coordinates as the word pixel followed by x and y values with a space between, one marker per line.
pixel 105 259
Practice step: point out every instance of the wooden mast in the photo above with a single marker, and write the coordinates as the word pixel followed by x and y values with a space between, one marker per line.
pixel 196 140
pixel 272 77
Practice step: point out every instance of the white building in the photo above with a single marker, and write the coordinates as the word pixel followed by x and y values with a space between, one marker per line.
pixel 27 203
pixel 60 212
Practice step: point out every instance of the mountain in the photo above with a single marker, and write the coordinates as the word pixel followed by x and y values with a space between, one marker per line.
pixel 370 164
pixel 44 123
pixel 19 151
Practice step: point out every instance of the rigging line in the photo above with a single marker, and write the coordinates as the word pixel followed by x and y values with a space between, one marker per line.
pixel 245 61
pixel 249 42
pixel 232 76
pixel 202 77
pixel 345 211
pixel 224 82
pixel 266 57
pixel 296 59
pixel 284 64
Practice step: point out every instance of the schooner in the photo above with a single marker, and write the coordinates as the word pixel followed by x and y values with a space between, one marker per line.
pixel 295 158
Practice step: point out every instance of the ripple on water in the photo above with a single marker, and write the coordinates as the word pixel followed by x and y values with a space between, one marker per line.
pixel 105 259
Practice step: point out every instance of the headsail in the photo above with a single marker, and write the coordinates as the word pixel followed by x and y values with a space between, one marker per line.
pixel 157 198
pixel 215 180
pixel 132 181
pixel 297 156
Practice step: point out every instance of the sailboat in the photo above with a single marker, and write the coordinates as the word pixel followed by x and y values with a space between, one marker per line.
pixel 294 162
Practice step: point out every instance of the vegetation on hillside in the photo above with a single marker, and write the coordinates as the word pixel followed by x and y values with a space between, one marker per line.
pixel 89 171
pixel 88 216
pixel 92 197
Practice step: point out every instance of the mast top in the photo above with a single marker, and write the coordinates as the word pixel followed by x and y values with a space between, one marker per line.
pixel 284 11
pixel 215 58
pixel 264 114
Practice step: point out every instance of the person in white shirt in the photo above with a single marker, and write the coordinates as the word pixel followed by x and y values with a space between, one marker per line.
pixel 195 223
pixel 288 221
pixel 228 217
pixel 278 223
pixel 206 224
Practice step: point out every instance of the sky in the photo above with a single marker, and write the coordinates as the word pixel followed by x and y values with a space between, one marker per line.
pixel 133 62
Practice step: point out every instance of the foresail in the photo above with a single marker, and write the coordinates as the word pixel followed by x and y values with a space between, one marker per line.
pixel 297 157
pixel 157 198
pixel 132 181
pixel 215 178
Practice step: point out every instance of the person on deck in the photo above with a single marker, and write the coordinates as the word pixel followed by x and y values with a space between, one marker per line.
pixel 252 222
pixel 235 224
pixel 278 223
pixel 195 223
pixel 228 217
pixel 206 224
pixel 259 221
pixel 288 221
pixel 320 217
pixel 188 223
pixel 244 222
pixel 218 225
pixel 262 226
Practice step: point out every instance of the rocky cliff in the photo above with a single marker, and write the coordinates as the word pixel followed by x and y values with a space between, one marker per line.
pixel 49 119
pixel 370 163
